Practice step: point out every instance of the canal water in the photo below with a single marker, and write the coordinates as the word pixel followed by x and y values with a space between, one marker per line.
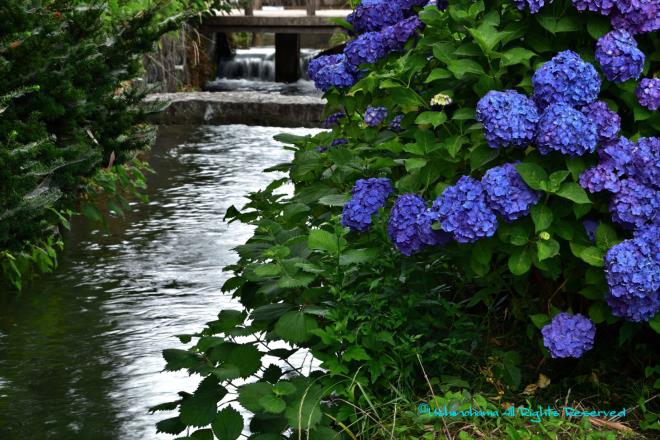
pixel 80 350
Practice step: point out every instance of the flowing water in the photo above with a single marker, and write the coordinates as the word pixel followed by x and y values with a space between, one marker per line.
pixel 80 349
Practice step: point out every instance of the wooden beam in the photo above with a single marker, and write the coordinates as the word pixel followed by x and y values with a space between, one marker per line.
pixel 312 5
pixel 287 57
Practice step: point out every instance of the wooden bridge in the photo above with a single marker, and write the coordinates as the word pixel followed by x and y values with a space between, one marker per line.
pixel 286 24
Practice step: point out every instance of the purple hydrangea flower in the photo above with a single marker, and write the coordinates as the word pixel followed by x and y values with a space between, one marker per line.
pixel 321 149
pixel 618 56
pixel 509 118
pixel 395 123
pixel 365 49
pixel 645 161
pixel 427 234
pixel 334 71
pixel 569 335
pixel 600 178
pixel 632 270
pixel 368 196
pixel 607 122
pixel 534 5
pixel 637 16
pixel 463 211
pixel 648 93
pixel 566 78
pixel 442 4
pixel 590 227
pixel 373 15
pixel 507 194
pixel 402 227
pixel 635 205
pixel 395 36
pixel 338 141
pixel 602 6
pixel 565 129
pixel 618 155
pixel 333 119
pixel 373 116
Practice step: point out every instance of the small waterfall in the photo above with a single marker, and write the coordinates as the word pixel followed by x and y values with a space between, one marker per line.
pixel 258 64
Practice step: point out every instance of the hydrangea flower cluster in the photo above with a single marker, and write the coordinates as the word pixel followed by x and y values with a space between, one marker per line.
pixel 648 93
pixel 566 78
pixel 368 196
pixel 634 16
pixel 333 119
pixel 331 71
pixel 463 211
pixel 608 123
pixel 569 336
pixel 635 205
pixel 632 270
pixel 565 129
pixel 507 194
pixel 645 161
pixel 382 27
pixel 403 226
pixel 509 118
pixel 395 123
pixel 533 5
pixel 373 15
pixel 373 116
pixel 619 57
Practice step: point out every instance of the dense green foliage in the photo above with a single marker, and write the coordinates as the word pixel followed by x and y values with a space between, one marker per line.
pixel 388 329
pixel 69 109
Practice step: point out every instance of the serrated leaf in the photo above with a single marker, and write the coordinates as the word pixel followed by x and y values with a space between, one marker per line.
pixel 655 323
pixel 517 55
pixel 462 67
pixel 355 353
pixel 323 240
pixel 520 262
pixel 173 426
pixel 533 175
pixel 295 327
pixel 592 256
pixel 267 270
pixel 334 199
pixel 605 236
pixel 547 249
pixel 249 395
pixel 200 409
pixel 357 256
pixel 247 358
pixel 228 424
pixel 270 312
pixel 542 217
pixel 431 117
pixel 284 388
pixel 438 73
pixel 599 312
pixel 272 404
pixel 540 320
pixel 574 192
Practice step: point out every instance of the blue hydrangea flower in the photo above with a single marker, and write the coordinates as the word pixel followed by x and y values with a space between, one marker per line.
pixel 565 129
pixel 395 36
pixel 333 119
pixel 648 93
pixel 395 123
pixel 373 15
pixel 334 71
pixel 402 227
pixel 645 162
pixel 602 6
pixel 428 235
pixel 321 149
pixel 373 116
pixel 534 5
pixel 635 205
pixel 632 270
pixel 637 16
pixel 368 196
pixel 365 49
pixel 590 227
pixel 618 155
pixel 509 118
pixel 338 141
pixel 602 177
pixel 320 62
pixel 507 194
pixel 462 210
pixel 618 56
pixel 566 78
pixel 608 123
pixel 569 336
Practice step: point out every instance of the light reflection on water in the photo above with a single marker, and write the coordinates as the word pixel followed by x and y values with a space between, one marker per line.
pixel 80 349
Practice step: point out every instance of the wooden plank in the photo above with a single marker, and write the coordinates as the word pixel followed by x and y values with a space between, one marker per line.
pixel 287 57
pixel 281 25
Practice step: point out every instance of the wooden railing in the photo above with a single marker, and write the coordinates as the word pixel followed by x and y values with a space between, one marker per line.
pixel 255 5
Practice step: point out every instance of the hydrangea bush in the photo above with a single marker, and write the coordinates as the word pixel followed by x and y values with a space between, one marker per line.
pixel 491 212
